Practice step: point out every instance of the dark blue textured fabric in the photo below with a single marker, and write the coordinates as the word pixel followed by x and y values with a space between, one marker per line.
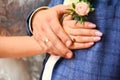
pixel 102 61
pixel 27 24
pixel 55 2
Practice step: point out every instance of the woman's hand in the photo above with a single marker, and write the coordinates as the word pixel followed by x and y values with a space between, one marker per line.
pixel 83 35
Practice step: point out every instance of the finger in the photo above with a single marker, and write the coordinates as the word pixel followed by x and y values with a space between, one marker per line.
pixel 85 39
pixel 67 17
pixel 56 45
pixel 85 25
pixel 76 25
pixel 61 9
pixel 58 30
pixel 84 32
pixel 39 36
pixel 45 32
pixel 82 45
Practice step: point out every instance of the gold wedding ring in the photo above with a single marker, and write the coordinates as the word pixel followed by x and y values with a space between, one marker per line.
pixel 46 40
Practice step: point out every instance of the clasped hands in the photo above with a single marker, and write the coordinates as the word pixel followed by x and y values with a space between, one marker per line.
pixel 59 38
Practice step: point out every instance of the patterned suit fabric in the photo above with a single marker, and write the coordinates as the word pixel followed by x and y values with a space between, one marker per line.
pixel 102 61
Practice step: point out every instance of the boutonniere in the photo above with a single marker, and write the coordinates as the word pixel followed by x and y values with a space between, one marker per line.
pixel 80 10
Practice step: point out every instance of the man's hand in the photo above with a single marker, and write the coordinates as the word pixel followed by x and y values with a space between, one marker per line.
pixel 47 30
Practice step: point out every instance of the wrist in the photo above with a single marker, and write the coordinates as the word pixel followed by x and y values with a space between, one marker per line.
pixel 33 14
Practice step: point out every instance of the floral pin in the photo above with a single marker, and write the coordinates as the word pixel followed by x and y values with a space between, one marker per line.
pixel 80 10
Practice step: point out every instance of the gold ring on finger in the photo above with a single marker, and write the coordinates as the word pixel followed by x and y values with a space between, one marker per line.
pixel 46 40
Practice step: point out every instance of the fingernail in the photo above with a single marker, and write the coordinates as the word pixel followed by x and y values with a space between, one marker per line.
pixel 98 33
pixel 68 43
pixel 97 38
pixel 91 43
pixel 69 55
pixel 92 25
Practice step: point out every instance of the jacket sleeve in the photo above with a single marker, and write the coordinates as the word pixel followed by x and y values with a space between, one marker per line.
pixel 27 24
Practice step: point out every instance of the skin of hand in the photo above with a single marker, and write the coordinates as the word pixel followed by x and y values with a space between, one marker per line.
pixel 83 35
pixel 46 26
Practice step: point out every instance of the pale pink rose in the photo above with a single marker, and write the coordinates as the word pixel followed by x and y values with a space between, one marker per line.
pixel 82 8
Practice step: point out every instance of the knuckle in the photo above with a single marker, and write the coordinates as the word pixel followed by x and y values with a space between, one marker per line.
pixel 80 38
pixel 89 38
pixel 46 49
pixel 91 32
pixel 79 24
pixel 81 32
pixel 49 19
pixel 63 54
pixel 58 45
pixel 49 46
pixel 92 39
pixel 86 45
pixel 86 24
pixel 94 32
pixel 62 50
pixel 65 23
pixel 57 30
pixel 55 42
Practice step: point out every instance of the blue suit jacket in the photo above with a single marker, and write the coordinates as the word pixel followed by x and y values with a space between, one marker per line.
pixel 102 61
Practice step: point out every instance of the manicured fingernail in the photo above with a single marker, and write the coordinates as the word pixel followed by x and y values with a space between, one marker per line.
pixel 97 38
pixel 92 25
pixel 69 55
pixel 98 33
pixel 91 43
pixel 68 43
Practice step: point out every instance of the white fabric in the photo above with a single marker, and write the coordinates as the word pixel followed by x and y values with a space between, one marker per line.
pixel 68 2
pixel 47 74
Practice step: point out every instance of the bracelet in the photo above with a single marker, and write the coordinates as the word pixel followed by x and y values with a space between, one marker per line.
pixel 30 20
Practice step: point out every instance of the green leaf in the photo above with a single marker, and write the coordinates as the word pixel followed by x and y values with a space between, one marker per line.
pixel 76 17
pixel 70 10
pixel 73 5
pixel 81 20
pixel 92 9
